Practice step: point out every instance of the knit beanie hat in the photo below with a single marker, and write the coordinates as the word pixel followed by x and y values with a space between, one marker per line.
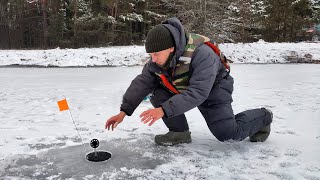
pixel 159 38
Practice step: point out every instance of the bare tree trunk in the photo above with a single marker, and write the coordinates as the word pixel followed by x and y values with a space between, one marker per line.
pixel 205 10
pixel 45 23
pixel 116 10
pixel 3 9
pixel 4 20
pixel 9 35
pixel 75 17
pixel 112 11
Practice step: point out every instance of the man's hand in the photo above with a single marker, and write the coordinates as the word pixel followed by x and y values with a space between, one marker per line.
pixel 151 115
pixel 115 120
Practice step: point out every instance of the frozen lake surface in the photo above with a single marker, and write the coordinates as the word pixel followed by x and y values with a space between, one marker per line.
pixel 39 142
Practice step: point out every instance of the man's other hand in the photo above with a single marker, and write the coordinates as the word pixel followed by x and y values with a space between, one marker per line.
pixel 152 115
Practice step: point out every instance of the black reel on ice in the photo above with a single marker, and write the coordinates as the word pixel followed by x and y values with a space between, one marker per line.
pixel 94 143
pixel 97 156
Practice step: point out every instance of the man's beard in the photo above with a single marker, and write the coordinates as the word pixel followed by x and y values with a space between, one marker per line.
pixel 166 65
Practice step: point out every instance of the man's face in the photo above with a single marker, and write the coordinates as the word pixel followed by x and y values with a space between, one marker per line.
pixel 161 57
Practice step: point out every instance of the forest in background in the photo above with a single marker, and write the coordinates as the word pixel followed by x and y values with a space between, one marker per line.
pixel 43 24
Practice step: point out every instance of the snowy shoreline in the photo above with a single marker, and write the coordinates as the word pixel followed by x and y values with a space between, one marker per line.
pixel 110 66
pixel 242 53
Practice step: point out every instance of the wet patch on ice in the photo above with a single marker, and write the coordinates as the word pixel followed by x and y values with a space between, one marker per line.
pixel 291 132
pixel 70 162
pixel 143 159
pixel 75 139
pixel 282 175
pixel 292 153
pixel 313 168
pixel 286 164
pixel 128 130
pixel 311 172
pixel 269 152
pixel 40 146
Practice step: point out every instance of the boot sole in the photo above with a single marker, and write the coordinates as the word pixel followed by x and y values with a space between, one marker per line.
pixel 173 143
pixel 259 137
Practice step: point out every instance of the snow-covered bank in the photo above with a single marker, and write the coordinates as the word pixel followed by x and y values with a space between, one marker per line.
pixel 110 56
pixel 260 52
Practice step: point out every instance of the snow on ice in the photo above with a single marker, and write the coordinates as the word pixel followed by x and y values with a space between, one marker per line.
pixel 39 142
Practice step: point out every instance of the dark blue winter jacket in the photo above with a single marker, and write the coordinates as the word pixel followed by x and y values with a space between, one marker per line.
pixel 204 68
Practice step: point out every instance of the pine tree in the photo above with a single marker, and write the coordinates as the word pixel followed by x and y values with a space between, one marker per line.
pixel 315 6
pixel 284 19
pixel 57 23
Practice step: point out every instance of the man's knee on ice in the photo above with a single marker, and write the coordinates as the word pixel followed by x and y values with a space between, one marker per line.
pixel 221 136
pixel 223 130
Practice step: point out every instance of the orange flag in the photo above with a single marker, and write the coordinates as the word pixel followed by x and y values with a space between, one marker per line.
pixel 63 105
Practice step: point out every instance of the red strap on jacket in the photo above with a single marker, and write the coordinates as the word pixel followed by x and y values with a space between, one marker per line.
pixel 167 84
pixel 217 51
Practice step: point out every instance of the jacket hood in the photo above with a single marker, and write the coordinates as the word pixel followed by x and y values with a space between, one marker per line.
pixel 178 33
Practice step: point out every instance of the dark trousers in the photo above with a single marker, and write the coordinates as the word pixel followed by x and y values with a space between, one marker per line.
pixel 218 113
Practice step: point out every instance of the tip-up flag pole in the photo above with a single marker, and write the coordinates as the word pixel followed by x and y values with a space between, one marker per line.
pixel 63 105
pixel 103 156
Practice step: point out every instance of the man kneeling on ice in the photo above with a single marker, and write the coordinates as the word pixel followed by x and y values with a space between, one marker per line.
pixel 187 70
